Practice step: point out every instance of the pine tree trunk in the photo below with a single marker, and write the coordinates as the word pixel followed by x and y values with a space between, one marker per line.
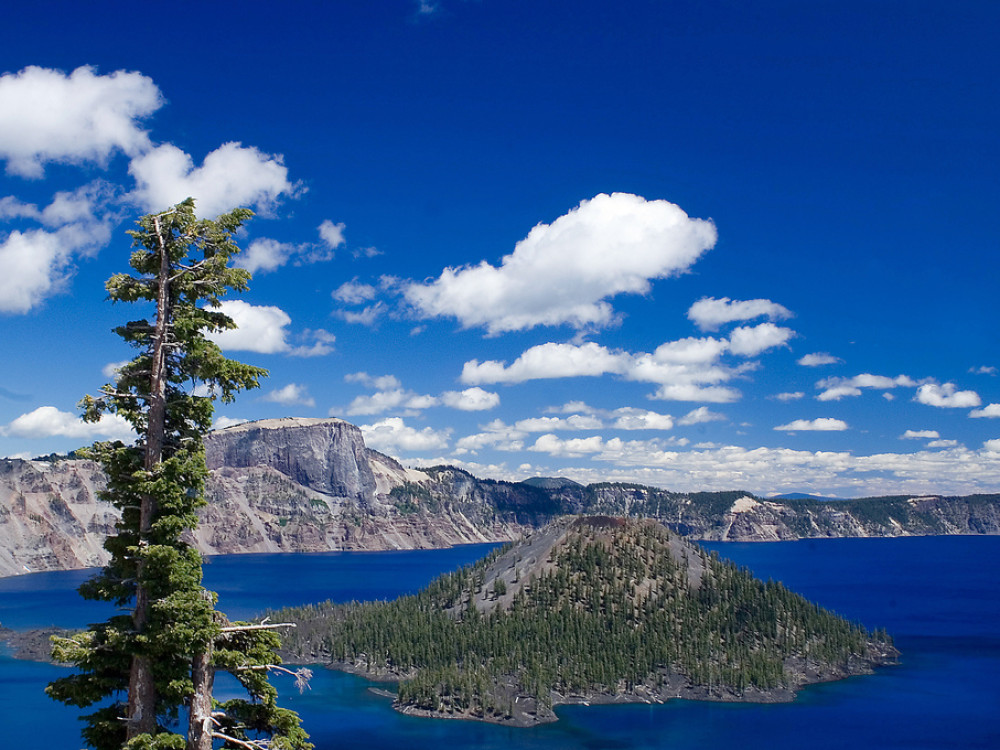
pixel 142 690
pixel 200 719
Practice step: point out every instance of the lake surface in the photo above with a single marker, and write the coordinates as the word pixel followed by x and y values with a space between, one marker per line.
pixel 938 596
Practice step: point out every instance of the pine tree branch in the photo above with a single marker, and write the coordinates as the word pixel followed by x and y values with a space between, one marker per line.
pixel 261 626
pixel 250 744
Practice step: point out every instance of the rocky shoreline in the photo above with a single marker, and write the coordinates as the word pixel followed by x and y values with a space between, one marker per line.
pixel 31 645
pixel 528 713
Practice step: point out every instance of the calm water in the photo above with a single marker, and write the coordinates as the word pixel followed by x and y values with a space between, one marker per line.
pixel 939 597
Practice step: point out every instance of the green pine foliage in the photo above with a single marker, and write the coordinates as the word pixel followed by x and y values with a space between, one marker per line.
pixel 139 667
pixel 611 610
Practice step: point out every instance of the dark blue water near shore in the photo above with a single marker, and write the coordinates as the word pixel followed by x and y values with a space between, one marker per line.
pixel 939 597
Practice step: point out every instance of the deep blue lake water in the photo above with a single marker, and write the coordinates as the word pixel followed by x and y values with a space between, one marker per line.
pixel 938 596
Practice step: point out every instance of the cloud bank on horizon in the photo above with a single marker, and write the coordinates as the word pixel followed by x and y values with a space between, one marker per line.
pixel 710 392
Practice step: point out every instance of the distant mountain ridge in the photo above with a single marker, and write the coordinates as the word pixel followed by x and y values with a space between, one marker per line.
pixel 308 485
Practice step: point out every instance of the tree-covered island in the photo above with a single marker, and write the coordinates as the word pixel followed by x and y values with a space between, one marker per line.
pixel 587 610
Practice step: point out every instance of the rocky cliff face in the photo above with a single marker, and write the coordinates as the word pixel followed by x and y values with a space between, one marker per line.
pixel 306 485
pixel 325 455
pixel 282 485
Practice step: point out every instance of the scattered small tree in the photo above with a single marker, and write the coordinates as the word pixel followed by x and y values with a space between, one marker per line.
pixel 162 657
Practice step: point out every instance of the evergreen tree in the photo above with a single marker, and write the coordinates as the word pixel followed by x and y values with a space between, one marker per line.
pixel 162 657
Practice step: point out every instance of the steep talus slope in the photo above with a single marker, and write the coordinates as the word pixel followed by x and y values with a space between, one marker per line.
pixel 285 485
pixel 50 518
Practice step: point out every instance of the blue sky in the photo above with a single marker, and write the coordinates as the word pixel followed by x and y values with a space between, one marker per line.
pixel 699 245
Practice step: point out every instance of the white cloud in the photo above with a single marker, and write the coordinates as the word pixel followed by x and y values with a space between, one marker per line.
pixel 471 399
pixel 322 342
pixel 700 415
pixel 417 402
pixel 379 402
pixel 942 444
pixel 85 206
pixel 574 422
pixel 14 208
pixel 714 394
pixel 265 255
pixel 990 410
pixel 230 177
pixel 955 470
pixel 683 370
pixel 110 370
pixel 496 434
pixel 292 394
pixel 260 328
pixel 390 396
pixel 817 359
pixel 572 448
pixel 709 313
pixel 572 407
pixel 382 382
pixel 392 435
pixel 920 435
pixel 354 293
pixel 837 392
pixel 549 360
pixel 789 396
pixel 564 272
pixel 48 421
pixel 48 116
pixel 750 341
pixel 946 396
pixel 630 418
pixel 822 424
pixel 366 317
pixel 835 389
pixel 37 264
pixel 690 351
pixel 983 370
pixel 223 422
pixel 332 234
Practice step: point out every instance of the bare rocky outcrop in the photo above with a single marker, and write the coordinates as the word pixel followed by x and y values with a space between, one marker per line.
pixel 327 456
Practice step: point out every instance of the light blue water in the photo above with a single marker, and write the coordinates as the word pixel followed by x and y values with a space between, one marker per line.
pixel 939 596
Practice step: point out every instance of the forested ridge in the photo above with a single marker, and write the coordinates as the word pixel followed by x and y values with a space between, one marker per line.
pixel 590 609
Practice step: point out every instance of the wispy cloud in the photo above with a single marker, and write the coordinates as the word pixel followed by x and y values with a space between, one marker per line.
pixel 292 394
pixel 709 313
pixel 817 359
pixel 821 424
pixel 48 421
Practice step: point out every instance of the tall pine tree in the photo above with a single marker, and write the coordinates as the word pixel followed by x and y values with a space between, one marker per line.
pixel 144 668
